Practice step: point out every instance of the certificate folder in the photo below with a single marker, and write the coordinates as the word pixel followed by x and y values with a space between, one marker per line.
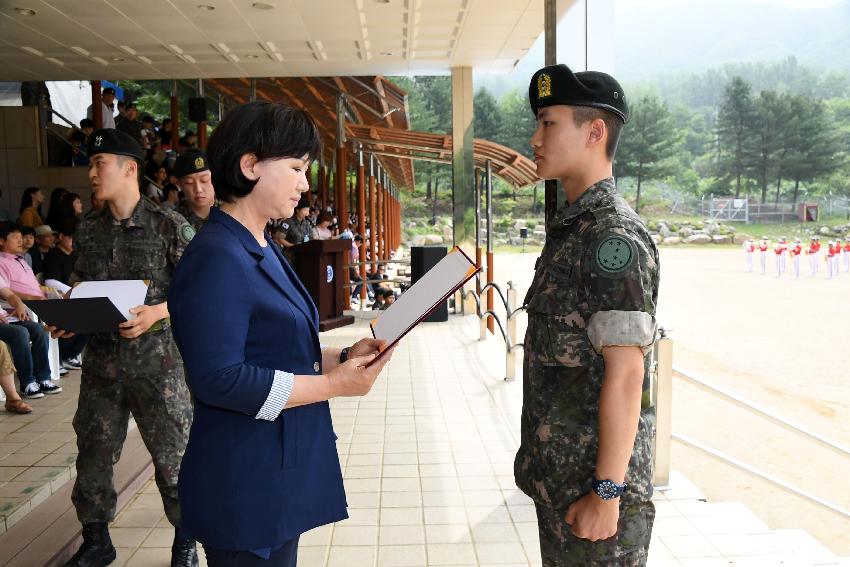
pixel 87 316
pixel 414 305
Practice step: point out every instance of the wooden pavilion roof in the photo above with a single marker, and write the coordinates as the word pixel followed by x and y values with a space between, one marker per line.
pixel 371 102
pixel 508 164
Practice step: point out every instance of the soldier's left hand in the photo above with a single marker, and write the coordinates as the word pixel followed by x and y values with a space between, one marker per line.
pixel 365 347
pixel 592 518
pixel 146 316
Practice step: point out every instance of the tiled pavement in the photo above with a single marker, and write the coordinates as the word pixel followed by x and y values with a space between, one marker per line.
pixel 427 458
pixel 37 451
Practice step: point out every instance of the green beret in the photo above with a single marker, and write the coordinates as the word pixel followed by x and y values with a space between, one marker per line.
pixel 189 162
pixel 111 141
pixel 556 84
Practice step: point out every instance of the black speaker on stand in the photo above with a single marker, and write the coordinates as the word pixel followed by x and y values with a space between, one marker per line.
pixel 422 259
pixel 198 109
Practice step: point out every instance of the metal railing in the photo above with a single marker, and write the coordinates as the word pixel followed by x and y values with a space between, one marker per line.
pixel 662 393
pixel 506 329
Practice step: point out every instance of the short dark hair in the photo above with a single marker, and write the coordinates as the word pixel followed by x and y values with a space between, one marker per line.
pixel 86 123
pixel 613 124
pixel 7 228
pixel 25 230
pixel 169 187
pixel 69 227
pixel 166 121
pixel 269 130
pixel 324 216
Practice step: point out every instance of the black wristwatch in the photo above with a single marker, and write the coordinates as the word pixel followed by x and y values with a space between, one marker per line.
pixel 608 489
pixel 343 354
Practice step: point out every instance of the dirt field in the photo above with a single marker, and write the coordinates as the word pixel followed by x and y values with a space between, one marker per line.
pixel 780 343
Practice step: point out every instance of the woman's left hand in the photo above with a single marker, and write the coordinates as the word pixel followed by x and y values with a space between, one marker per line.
pixel 365 347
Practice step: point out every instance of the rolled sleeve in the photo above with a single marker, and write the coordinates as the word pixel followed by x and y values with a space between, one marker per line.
pixel 278 395
pixel 621 328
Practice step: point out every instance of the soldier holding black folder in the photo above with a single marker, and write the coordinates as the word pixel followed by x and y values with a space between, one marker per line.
pixel 137 368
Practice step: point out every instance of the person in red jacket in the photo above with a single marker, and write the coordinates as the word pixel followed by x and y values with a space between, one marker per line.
pixel 814 253
pixel 846 255
pixel 763 254
pixel 779 252
pixel 830 258
pixel 795 252
pixel 836 260
pixel 749 249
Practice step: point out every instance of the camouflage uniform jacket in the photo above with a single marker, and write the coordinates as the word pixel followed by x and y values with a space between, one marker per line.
pixel 145 246
pixel 184 211
pixel 595 285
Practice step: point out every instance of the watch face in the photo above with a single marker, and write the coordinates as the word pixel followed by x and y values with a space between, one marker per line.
pixel 607 489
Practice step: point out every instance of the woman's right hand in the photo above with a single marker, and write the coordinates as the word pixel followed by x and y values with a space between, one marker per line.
pixel 354 378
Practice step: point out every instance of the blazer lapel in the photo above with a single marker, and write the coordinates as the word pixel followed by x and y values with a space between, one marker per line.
pixel 306 301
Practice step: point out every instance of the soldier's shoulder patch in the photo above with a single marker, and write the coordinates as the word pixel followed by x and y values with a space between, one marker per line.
pixel 615 254
pixel 187 233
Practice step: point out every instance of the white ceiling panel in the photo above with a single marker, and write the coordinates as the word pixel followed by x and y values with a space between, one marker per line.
pixel 314 37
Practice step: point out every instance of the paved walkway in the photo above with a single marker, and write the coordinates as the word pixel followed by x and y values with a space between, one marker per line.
pixel 427 458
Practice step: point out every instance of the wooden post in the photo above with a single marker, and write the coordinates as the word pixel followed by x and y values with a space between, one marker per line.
pixel 340 189
pixel 323 186
pixel 202 126
pixel 380 232
pixel 96 105
pixel 373 224
pixel 361 224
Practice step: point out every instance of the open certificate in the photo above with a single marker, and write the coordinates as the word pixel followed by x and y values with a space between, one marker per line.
pixel 424 296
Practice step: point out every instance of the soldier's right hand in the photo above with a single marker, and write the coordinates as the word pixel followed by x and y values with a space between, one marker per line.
pixel 354 378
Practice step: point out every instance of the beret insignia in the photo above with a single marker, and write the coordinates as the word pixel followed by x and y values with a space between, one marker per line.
pixel 199 162
pixel 544 85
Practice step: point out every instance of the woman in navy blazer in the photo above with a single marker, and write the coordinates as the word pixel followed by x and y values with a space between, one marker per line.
pixel 261 465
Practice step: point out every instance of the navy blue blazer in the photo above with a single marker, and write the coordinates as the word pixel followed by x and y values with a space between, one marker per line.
pixel 247 483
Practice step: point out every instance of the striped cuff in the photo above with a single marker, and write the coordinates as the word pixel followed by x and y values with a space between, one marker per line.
pixel 278 395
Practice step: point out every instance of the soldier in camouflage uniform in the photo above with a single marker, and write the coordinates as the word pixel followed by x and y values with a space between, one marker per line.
pixel 136 370
pixel 195 180
pixel 587 425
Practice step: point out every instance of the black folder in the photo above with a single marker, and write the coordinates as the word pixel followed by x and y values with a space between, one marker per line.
pixel 87 316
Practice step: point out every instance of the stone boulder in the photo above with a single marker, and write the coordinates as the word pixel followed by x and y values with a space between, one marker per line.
pixel 533 242
pixel 698 239
pixel 672 240
pixel 664 231
pixel 741 237
pixel 539 234
pixel 656 238
pixel 712 228
pixel 685 232
pixel 825 231
pixel 520 224
pixel 721 239
pixel 431 239
pixel 516 241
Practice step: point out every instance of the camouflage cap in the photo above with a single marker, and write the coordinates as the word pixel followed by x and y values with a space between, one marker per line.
pixel 557 84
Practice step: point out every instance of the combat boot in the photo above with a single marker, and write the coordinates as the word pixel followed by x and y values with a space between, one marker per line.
pixel 184 552
pixel 97 549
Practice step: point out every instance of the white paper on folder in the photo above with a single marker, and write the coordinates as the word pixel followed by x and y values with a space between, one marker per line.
pixel 124 294
pixel 416 302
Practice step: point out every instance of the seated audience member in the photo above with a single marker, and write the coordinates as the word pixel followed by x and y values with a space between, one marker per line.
pixel 129 123
pixel 279 236
pixel 378 304
pixel 44 242
pixel 158 175
pixel 150 140
pixel 52 217
pixel 21 280
pixel 389 298
pixel 28 235
pixel 59 262
pixel 87 126
pixel 170 196
pixel 165 134
pixel 14 403
pixel 76 154
pixel 30 211
pixel 70 208
pixel 192 171
pixel 322 229
pixel 28 343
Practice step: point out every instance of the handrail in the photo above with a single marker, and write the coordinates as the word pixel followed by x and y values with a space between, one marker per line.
pixel 692 443
pixel 764 412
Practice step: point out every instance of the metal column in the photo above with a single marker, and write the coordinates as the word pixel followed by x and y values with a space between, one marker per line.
pixel 489 184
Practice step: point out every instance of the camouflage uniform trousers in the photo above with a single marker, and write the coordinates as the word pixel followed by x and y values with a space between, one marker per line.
pixel 143 376
pixel 628 548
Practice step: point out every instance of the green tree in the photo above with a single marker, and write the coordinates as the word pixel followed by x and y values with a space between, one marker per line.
pixel 516 123
pixel 771 136
pixel 815 151
pixel 647 143
pixel 735 133
pixel 485 110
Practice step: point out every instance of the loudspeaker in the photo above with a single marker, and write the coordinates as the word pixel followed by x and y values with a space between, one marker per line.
pixel 198 109
pixel 422 259
pixel 523 233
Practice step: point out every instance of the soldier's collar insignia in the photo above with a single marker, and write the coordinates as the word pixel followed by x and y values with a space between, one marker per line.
pixel 544 85
pixel 199 162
